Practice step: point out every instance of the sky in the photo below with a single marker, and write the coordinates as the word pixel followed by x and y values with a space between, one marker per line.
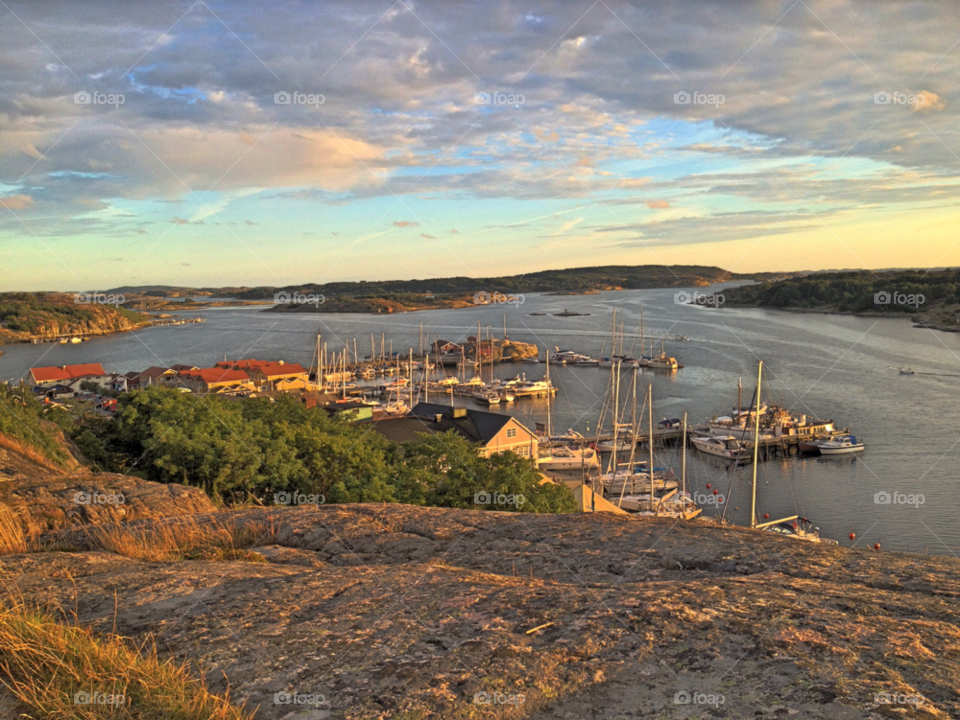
pixel 216 144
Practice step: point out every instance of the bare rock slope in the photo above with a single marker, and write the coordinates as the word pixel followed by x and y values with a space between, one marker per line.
pixel 403 612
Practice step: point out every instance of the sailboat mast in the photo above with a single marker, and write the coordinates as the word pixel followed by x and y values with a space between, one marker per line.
pixel 643 337
pixel 683 458
pixel 756 450
pixel 653 503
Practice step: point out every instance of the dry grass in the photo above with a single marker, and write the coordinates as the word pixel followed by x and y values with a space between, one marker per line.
pixel 16 535
pixel 187 538
pixel 45 664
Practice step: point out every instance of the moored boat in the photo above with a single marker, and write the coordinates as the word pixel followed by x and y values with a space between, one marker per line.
pixel 841 445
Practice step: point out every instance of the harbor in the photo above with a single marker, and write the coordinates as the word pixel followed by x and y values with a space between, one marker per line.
pixel 836 491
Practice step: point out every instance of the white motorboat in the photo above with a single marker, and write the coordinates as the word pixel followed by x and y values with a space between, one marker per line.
pixel 841 445
pixel 635 483
pixel 566 458
pixel 907 371
pixel 620 445
pixel 724 446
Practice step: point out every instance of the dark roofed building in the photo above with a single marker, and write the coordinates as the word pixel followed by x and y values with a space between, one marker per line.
pixel 496 432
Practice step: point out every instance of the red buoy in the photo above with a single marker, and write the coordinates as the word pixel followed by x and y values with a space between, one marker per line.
pixel 719 500
pixel 708 486
pixel 766 516
pixel 715 492
pixel 853 536
pixel 876 546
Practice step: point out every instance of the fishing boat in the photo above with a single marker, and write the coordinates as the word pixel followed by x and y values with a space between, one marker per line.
pixel 723 446
pixel 841 445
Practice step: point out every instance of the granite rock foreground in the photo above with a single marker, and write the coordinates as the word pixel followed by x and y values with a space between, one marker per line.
pixel 405 612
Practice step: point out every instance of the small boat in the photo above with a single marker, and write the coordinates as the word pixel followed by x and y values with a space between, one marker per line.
pixel 487 397
pixel 63 341
pixel 724 446
pixel 635 483
pixel 681 338
pixel 532 360
pixel 621 445
pixel 75 340
pixel 569 458
pixel 907 371
pixel 841 445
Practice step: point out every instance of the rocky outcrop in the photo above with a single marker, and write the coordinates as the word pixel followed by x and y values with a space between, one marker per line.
pixel 55 503
pixel 391 611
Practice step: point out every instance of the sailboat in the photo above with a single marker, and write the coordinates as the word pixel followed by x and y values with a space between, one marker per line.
pixel 793 526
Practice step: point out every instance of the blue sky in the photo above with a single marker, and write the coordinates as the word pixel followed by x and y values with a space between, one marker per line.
pixel 819 135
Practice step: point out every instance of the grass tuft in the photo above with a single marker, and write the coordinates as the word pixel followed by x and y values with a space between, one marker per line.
pixel 50 668
pixel 187 538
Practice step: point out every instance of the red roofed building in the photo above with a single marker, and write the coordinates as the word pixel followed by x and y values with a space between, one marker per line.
pixel 65 374
pixel 217 379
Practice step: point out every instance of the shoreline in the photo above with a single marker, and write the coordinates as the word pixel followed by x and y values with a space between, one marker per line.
pixel 918 321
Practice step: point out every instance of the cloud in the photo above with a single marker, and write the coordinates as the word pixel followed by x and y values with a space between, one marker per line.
pixel 405 223
pixel 180 221
pixel 657 204
pixel 428 237
pixel 927 101
pixel 16 202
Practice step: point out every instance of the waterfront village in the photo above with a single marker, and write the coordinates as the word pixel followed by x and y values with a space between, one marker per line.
pixel 408 397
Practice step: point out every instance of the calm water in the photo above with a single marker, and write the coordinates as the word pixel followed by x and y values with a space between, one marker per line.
pixel 826 366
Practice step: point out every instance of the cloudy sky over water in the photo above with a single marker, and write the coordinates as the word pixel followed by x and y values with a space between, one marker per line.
pixel 216 143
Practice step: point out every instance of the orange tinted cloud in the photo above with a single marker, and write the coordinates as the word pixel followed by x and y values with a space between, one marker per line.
pixel 658 204
pixel 16 202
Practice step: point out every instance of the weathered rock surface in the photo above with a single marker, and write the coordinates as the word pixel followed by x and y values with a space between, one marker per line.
pixel 402 612
pixel 63 502
pixel 18 460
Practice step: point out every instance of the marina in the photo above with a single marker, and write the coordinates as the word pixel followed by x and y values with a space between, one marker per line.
pixel 835 490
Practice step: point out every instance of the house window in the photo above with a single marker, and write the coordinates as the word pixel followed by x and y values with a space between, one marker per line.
pixel 511 432
pixel 524 451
